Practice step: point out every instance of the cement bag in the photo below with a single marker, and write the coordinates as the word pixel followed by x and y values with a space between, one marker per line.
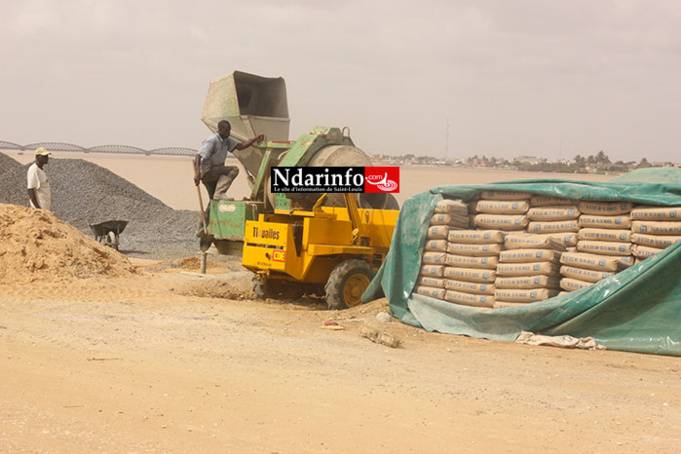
pixel 438 232
pixel 622 236
pixel 504 195
pixel 571 285
pixel 525 295
pixel 449 206
pixel 643 252
pixel 502 207
pixel 501 221
pixel 553 227
pixel 425 281
pixel 469 299
pixel 477 250
pixel 506 304
pixel 476 236
pixel 549 200
pixel 604 247
pixel 590 261
pixel 470 274
pixel 645 213
pixel 530 241
pixel 470 287
pixel 436 245
pixel 583 274
pixel 604 222
pixel 657 228
pixel 527 282
pixel 434 258
pixel 529 255
pixel 433 292
pixel 658 241
pixel 464 261
pixel 553 213
pixel 528 269
pixel 567 239
pixel 605 208
pixel 627 261
pixel 452 220
pixel 432 270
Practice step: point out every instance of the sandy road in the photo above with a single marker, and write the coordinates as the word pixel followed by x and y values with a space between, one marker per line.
pixel 155 363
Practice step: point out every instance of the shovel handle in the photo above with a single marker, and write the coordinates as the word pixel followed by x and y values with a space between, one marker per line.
pixel 201 208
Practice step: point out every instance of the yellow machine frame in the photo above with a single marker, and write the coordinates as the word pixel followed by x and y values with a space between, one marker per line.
pixel 287 248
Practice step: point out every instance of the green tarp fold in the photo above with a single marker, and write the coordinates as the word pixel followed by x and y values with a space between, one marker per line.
pixel 637 310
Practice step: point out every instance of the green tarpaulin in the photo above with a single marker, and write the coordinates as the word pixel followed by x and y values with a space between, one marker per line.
pixel 650 175
pixel 637 310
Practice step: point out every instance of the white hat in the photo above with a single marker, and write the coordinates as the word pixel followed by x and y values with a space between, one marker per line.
pixel 42 152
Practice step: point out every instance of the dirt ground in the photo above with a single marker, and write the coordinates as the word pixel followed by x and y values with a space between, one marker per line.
pixel 168 360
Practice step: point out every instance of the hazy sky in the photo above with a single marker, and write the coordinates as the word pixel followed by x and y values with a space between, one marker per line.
pixel 522 77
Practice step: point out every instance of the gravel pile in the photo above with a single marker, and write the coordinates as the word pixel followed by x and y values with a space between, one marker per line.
pixel 84 193
pixel 8 164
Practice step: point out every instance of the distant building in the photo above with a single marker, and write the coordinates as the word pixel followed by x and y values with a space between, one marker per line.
pixel 663 164
pixel 528 159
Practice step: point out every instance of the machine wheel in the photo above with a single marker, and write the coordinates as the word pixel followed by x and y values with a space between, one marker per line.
pixel 292 291
pixel 275 288
pixel 347 282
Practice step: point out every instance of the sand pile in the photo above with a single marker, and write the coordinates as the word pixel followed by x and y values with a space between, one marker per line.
pixel 36 246
pixel 84 193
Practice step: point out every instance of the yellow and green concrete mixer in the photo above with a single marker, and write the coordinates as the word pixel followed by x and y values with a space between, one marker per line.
pixel 327 244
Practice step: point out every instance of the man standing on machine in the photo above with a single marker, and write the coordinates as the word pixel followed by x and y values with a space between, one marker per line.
pixel 209 163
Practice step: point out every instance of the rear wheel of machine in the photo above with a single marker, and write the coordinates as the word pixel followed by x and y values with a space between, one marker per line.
pixel 347 282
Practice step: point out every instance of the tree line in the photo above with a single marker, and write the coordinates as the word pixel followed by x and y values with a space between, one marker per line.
pixel 600 162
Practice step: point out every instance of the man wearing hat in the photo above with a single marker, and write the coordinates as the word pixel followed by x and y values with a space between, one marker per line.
pixel 38 184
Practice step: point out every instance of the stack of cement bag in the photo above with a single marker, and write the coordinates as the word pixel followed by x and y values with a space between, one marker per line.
pixel 449 215
pixel 528 270
pixel 528 247
pixel 502 210
pixel 581 270
pixel 603 246
pixel 654 229
pixel 471 262
pixel 555 217
pixel 605 230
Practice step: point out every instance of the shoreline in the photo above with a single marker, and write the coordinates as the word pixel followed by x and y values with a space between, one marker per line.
pixel 170 178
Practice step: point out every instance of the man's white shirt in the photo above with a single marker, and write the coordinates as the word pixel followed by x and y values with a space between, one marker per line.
pixel 37 179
